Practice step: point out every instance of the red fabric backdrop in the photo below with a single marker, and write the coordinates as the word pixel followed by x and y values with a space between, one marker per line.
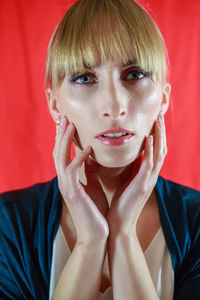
pixel 26 129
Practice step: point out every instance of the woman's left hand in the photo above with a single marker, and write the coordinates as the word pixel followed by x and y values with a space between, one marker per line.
pixel 125 210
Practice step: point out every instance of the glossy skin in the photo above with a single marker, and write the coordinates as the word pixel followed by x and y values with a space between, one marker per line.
pixel 110 97
pixel 115 97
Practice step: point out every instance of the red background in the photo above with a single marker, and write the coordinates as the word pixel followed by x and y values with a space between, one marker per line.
pixel 27 130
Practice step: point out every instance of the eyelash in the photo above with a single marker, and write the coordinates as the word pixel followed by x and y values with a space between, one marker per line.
pixel 76 77
pixel 136 71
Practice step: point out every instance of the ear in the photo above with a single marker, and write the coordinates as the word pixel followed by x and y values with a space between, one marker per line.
pixel 165 98
pixel 52 103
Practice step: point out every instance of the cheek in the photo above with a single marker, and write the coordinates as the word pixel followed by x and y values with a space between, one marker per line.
pixel 73 106
pixel 149 96
pixel 148 101
pixel 77 112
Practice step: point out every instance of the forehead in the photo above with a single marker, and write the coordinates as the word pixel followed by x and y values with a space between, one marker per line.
pixel 114 63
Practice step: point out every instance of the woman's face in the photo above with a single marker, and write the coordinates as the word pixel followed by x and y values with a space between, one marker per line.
pixel 112 97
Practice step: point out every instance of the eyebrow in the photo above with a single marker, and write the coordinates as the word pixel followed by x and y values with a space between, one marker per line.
pixel 128 63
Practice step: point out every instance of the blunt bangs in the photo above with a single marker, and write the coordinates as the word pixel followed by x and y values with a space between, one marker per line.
pixel 93 32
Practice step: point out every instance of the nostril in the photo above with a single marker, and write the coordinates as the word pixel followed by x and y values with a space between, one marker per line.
pixel 108 115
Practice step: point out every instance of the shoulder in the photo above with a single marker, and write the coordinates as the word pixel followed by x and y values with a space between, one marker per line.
pixel 38 192
pixel 30 207
pixel 29 219
pixel 31 197
pixel 179 208
pixel 171 188
pixel 178 198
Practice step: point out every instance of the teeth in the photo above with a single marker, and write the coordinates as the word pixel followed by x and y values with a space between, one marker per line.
pixel 111 135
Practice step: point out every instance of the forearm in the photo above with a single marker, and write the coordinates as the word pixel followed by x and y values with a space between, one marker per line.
pixel 129 272
pixel 81 276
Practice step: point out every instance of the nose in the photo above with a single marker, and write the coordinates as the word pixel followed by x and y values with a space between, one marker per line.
pixel 116 115
pixel 115 102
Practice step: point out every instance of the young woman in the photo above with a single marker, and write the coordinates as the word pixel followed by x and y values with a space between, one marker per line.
pixel 108 226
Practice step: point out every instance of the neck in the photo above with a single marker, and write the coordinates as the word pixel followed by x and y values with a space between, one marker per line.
pixel 113 178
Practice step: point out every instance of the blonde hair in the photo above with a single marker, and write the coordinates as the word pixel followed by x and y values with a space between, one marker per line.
pixel 96 31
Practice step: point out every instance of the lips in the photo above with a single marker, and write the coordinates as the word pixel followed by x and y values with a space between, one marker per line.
pixel 113 131
pixel 115 137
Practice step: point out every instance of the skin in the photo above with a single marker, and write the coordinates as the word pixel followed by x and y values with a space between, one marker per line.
pixel 117 97
pixel 113 99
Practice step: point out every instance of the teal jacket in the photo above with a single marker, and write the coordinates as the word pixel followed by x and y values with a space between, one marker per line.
pixel 29 220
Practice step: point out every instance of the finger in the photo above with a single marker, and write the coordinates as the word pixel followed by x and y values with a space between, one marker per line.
pixel 164 138
pixel 63 121
pixel 71 173
pixel 157 141
pixel 141 180
pixel 160 148
pixel 81 207
pixel 139 186
pixel 147 163
pixel 77 163
pixel 59 135
pixel 65 146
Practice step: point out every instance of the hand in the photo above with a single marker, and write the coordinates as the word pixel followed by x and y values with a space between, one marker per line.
pixel 125 211
pixel 89 222
pixel 94 188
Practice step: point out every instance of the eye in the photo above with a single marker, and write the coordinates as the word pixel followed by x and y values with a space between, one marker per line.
pixel 137 74
pixel 84 79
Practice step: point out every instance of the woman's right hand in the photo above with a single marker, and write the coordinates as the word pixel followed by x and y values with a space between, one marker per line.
pixel 91 225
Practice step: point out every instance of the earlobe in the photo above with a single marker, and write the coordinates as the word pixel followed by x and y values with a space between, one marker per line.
pixel 52 104
pixel 165 98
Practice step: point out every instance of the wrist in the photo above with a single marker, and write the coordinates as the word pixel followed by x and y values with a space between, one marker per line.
pixel 123 232
pixel 90 245
pixel 91 252
pixel 123 235
pixel 119 227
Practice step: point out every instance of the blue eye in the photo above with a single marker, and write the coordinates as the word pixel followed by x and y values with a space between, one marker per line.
pixel 84 79
pixel 136 75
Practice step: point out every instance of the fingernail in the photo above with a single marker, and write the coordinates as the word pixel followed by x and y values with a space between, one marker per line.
pixel 57 124
pixel 57 119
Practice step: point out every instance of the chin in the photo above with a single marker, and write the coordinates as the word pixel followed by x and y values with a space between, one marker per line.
pixel 116 159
